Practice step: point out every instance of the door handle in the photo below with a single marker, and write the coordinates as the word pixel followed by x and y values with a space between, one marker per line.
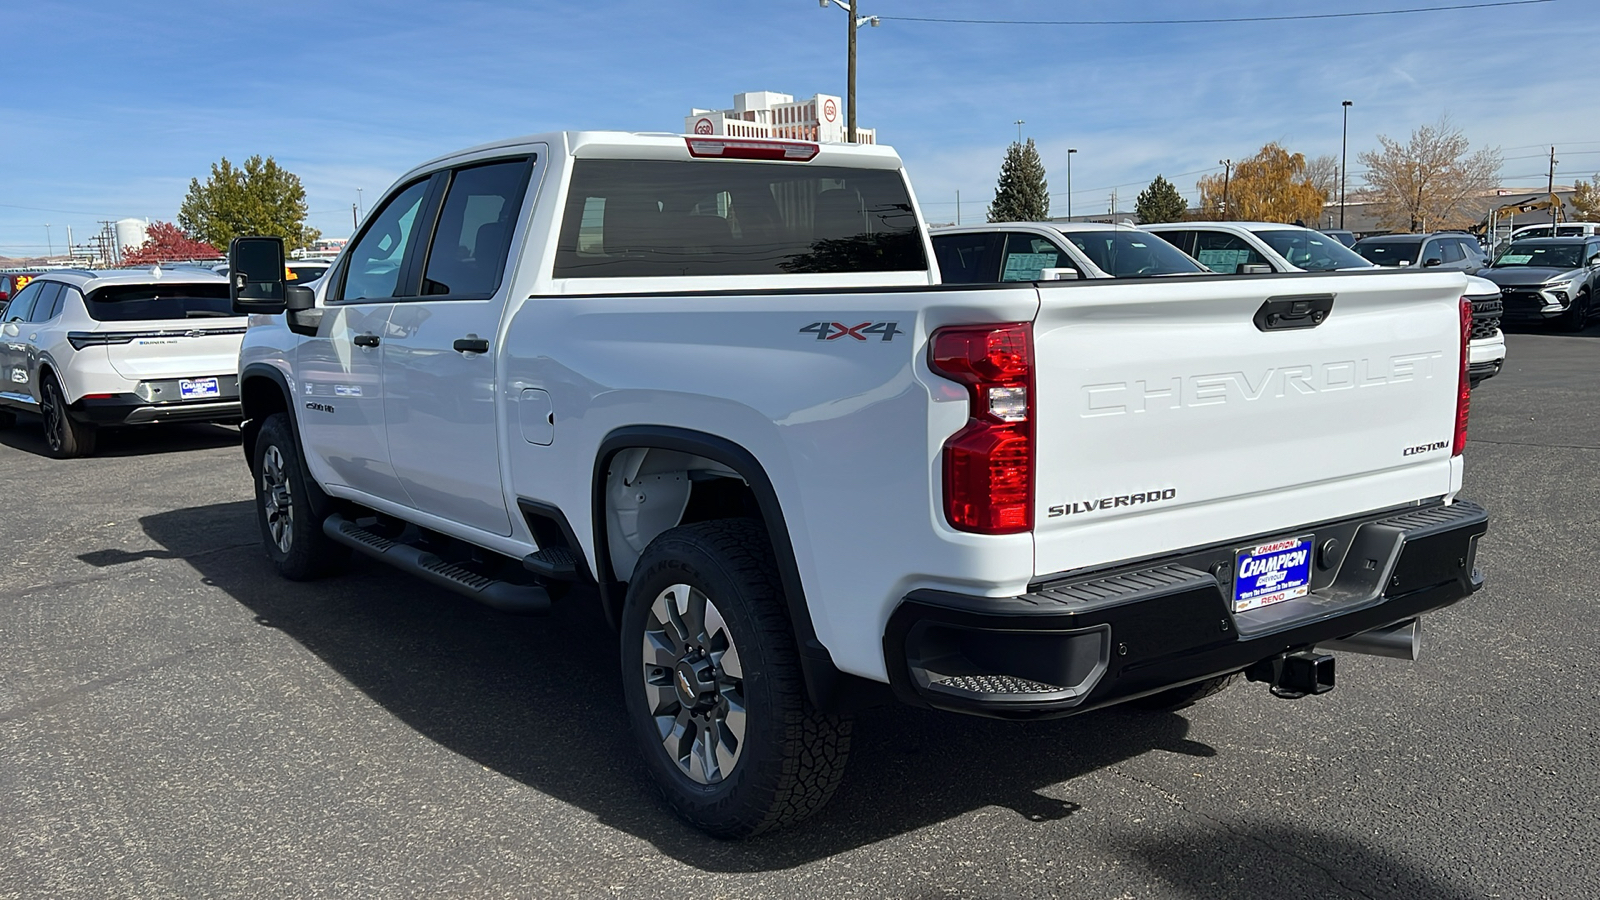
pixel 471 345
pixel 365 340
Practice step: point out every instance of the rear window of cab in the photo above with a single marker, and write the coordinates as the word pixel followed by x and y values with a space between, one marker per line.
pixel 630 218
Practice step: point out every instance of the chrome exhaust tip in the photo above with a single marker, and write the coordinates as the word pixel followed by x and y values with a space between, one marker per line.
pixel 1399 641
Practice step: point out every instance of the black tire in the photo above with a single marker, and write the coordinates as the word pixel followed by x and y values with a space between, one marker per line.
pixel 787 758
pixel 1576 318
pixel 64 436
pixel 1183 697
pixel 290 532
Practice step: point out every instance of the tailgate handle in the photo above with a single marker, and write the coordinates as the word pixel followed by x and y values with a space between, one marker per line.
pixel 1298 311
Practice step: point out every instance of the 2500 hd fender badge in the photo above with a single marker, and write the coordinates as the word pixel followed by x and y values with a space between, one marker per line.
pixel 1104 503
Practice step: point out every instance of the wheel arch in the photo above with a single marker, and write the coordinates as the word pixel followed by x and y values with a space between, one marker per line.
pixel 828 688
pixel 263 390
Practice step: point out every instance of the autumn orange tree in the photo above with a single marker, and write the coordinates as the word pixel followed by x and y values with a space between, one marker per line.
pixel 165 242
pixel 1272 186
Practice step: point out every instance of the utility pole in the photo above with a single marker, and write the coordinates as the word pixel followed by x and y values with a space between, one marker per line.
pixel 50 247
pixel 1555 205
pixel 850 102
pixel 1019 123
pixel 958 207
pixel 1344 160
pixel 850 90
pixel 1227 170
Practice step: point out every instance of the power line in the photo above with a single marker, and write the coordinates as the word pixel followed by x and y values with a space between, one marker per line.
pixel 1215 21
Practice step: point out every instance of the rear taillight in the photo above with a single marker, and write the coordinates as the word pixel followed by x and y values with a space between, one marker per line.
pixel 988 465
pixel 1464 386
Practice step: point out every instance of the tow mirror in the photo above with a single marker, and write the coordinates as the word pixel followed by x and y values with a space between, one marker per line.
pixel 1432 261
pixel 1255 269
pixel 256 281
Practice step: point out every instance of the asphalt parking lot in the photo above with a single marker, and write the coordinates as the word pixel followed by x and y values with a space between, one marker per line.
pixel 177 722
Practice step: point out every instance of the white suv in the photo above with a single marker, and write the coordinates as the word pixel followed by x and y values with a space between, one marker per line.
pixel 88 349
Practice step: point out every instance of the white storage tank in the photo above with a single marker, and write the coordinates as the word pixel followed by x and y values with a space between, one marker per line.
pixel 131 234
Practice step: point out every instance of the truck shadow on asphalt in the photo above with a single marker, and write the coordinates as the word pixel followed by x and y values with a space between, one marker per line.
pixel 538 700
pixel 27 435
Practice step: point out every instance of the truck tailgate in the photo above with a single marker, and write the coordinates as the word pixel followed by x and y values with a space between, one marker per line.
pixel 1167 418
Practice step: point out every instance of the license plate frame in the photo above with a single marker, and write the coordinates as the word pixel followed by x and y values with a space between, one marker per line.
pixel 1272 572
pixel 199 389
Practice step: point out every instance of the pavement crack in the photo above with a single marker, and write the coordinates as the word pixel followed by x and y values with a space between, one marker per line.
pixel 1177 801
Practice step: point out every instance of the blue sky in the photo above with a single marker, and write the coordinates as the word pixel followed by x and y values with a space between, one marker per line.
pixel 110 108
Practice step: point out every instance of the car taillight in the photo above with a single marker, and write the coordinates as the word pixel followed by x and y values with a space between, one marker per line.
pixel 1464 386
pixel 988 465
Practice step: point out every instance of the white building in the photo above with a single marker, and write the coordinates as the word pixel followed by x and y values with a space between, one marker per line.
pixel 767 114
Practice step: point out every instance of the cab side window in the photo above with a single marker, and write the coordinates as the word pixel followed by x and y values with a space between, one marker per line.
pixel 469 247
pixel 372 270
pixel 1222 252
pixel 1451 251
pixel 1183 240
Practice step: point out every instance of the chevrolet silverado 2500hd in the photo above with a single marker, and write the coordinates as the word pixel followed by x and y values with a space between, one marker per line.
pixel 716 387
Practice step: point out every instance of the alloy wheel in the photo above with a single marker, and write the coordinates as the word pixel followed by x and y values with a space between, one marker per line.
pixel 277 498
pixel 50 410
pixel 694 684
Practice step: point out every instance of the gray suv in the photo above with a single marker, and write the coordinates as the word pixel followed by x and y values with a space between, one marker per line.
pixel 1441 250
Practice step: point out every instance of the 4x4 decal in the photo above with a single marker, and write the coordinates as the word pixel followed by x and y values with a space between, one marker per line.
pixel 832 331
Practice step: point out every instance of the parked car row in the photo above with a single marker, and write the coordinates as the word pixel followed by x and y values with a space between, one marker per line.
pixel 1035 251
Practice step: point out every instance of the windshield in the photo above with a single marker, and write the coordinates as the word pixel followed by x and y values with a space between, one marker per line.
pixel 1132 254
pixel 1312 250
pixel 1552 256
pixel 1389 253
pixel 139 302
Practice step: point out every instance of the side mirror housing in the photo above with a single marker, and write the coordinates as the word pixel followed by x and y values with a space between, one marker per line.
pixel 256 282
pixel 1593 261
pixel 1432 261
pixel 1058 274
pixel 1255 269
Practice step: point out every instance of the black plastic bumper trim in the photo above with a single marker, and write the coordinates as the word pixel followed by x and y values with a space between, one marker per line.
pixel 1169 622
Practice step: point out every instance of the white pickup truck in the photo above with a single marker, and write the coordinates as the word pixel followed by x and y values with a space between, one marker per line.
pixel 715 386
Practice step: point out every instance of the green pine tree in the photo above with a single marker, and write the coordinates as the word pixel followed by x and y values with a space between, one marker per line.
pixel 1160 202
pixel 1021 195
pixel 261 198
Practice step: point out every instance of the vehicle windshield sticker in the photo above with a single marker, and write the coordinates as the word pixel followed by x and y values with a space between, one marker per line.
pixel 1224 261
pixel 1027 266
pixel 1515 259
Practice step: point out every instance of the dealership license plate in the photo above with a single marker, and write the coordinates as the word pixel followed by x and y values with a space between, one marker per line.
pixel 198 388
pixel 1272 573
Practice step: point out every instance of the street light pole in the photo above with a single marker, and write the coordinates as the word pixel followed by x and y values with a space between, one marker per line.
pixel 49 246
pixel 1344 161
pixel 1070 151
pixel 1227 170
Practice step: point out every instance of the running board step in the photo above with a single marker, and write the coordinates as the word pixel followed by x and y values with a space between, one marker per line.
pixel 501 595
pixel 553 563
